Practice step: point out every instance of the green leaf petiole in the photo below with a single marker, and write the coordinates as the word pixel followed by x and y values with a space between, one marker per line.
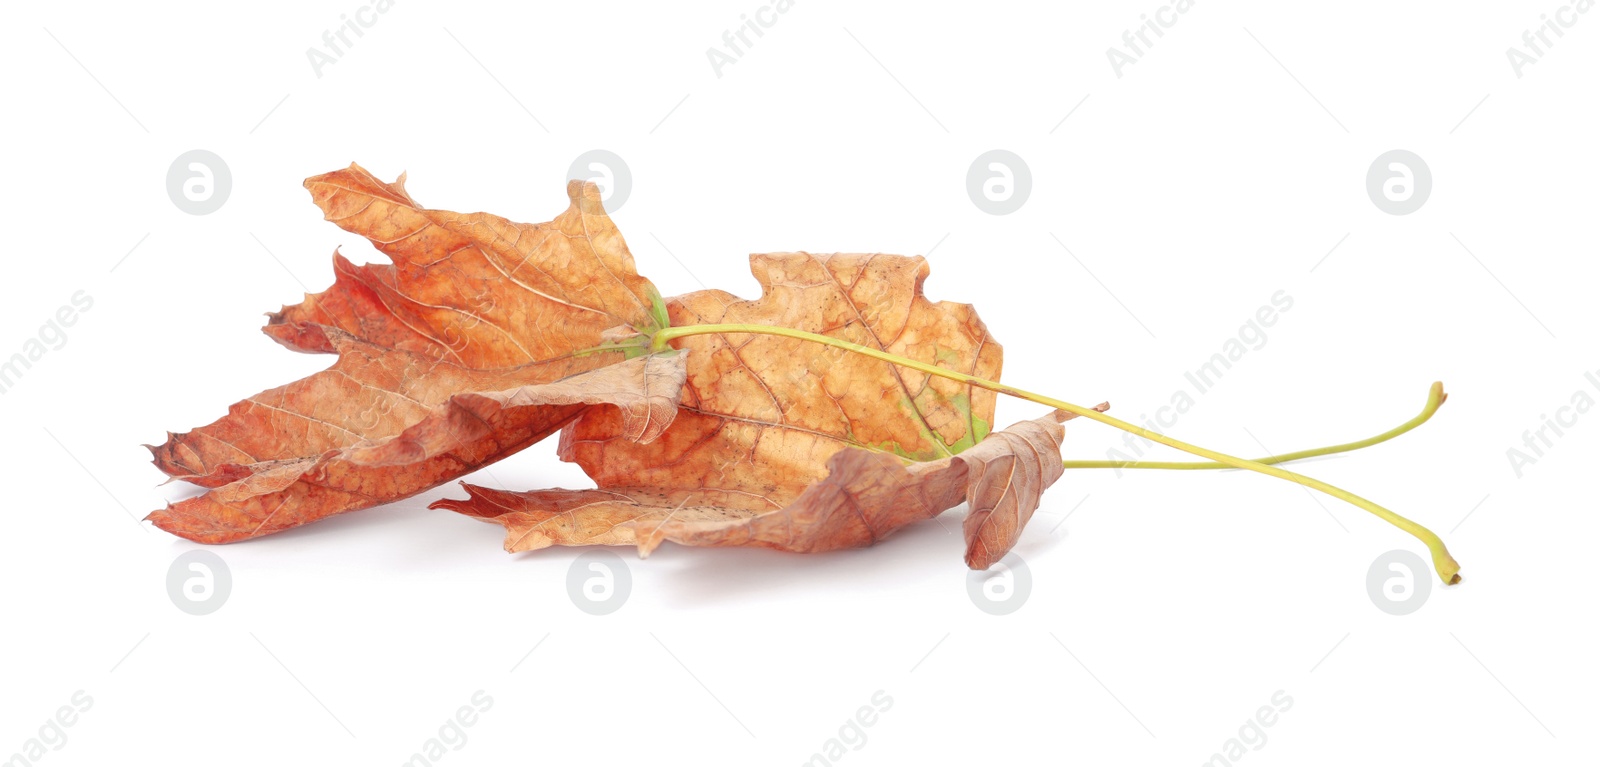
pixel 1436 397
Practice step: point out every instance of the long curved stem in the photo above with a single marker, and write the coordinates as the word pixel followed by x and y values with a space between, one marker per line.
pixel 1443 563
pixel 1436 397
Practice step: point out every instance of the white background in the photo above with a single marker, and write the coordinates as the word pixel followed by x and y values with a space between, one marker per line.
pixel 1163 612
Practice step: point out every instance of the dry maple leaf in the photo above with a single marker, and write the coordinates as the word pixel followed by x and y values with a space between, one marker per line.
pixel 459 353
pixel 866 496
pixel 786 444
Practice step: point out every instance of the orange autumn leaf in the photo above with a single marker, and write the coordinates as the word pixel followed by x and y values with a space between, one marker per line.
pixel 458 353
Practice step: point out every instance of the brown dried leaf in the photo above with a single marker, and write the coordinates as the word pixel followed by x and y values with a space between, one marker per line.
pixel 472 305
pixel 865 496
